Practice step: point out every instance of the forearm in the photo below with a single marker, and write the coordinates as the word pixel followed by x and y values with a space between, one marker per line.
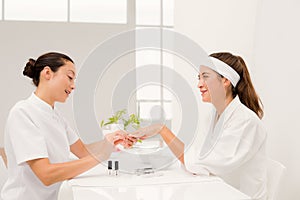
pixel 101 149
pixel 174 143
pixel 52 173
pixel 64 171
pixel 79 149
pixel 90 155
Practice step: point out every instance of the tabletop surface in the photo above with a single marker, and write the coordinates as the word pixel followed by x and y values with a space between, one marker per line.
pixel 169 184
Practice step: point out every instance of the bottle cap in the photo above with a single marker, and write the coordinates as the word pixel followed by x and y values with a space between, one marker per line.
pixel 109 164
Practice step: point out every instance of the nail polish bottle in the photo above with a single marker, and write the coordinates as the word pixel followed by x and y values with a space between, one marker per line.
pixel 109 167
pixel 116 168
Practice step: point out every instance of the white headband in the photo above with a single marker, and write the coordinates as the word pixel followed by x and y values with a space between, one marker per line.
pixel 225 70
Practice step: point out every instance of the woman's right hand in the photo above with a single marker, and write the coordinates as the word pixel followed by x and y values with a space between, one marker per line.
pixel 116 137
pixel 120 137
pixel 147 132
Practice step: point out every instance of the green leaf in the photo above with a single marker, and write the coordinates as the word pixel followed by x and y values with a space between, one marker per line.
pixel 102 123
pixel 133 120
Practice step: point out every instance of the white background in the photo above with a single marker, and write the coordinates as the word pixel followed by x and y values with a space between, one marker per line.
pixel 264 32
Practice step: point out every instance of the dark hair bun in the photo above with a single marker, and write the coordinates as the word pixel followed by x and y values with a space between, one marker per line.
pixel 29 68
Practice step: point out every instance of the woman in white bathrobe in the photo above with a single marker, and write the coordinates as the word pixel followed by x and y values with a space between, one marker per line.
pixel 234 148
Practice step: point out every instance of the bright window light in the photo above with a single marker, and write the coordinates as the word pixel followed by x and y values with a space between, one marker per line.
pixel 148 12
pixel 149 92
pixel 99 11
pixel 168 12
pixel 1 10
pixel 36 10
pixel 146 58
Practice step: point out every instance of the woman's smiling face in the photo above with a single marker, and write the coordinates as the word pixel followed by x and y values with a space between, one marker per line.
pixel 204 76
pixel 63 81
pixel 210 84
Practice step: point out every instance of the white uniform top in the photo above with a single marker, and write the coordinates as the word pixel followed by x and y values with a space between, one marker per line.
pixel 34 130
pixel 234 150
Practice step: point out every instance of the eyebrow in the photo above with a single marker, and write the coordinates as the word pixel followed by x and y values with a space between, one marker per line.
pixel 203 73
pixel 71 71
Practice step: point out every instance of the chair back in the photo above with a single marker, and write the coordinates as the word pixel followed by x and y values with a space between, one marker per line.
pixel 275 171
pixel 3 174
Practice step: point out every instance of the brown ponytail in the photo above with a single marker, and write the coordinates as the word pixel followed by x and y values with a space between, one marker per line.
pixel 244 88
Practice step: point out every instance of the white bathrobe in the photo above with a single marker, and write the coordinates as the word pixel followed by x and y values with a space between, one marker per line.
pixel 234 149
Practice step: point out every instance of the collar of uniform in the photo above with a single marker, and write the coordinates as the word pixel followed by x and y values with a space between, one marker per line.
pixel 216 126
pixel 40 103
pixel 231 106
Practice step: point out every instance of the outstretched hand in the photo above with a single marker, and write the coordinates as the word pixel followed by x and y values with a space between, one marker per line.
pixel 127 140
pixel 147 132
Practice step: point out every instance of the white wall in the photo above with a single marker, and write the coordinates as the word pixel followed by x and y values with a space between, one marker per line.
pixel 277 65
pixel 266 34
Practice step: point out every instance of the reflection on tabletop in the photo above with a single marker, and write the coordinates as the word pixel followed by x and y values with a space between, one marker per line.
pixel 172 183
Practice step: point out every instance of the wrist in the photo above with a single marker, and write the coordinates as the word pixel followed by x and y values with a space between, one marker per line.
pixel 109 138
pixel 163 131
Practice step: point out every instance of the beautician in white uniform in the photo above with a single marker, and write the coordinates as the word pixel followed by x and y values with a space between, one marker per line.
pixel 234 148
pixel 38 140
